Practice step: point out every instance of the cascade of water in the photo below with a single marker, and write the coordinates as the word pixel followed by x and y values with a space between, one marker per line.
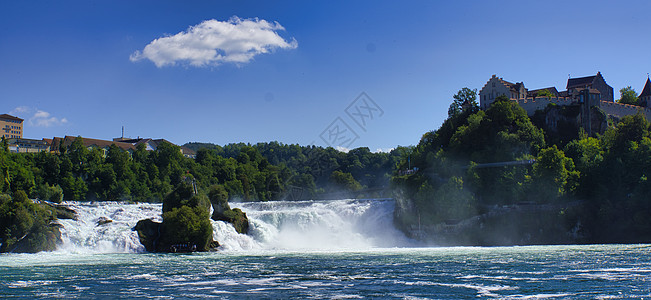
pixel 292 225
pixel 317 225
pixel 86 235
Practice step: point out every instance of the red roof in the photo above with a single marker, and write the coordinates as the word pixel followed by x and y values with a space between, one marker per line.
pixel 67 141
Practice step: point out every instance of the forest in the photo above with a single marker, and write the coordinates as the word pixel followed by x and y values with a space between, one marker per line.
pixel 260 172
pixel 578 190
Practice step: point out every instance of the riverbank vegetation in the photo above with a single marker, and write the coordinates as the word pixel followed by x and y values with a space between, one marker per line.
pixel 483 167
pixel 261 172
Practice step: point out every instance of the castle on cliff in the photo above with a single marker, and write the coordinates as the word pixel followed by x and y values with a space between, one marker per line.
pixel 586 92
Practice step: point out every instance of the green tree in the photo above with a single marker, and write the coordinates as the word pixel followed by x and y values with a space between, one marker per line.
pixel 553 175
pixel 463 99
pixel 344 181
pixel 187 225
pixel 26 226
pixel 544 94
pixel 628 96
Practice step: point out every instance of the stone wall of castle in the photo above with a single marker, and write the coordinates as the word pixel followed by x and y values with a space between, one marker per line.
pixel 531 105
pixel 620 110
pixel 539 103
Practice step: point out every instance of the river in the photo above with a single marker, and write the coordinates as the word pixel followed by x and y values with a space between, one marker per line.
pixel 313 249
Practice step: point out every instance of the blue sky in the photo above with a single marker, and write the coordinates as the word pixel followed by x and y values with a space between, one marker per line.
pixel 80 67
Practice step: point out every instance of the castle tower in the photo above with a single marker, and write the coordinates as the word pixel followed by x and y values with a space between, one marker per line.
pixel 645 95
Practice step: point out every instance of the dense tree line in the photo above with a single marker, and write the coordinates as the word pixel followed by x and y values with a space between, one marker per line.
pixel 262 172
pixel 316 172
pixel 600 183
pixel 91 174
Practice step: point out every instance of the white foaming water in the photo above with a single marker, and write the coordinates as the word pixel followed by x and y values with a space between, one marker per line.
pixel 320 225
pixel 279 225
pixel 85 235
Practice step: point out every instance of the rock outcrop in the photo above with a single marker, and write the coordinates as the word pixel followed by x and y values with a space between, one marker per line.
pixel 149 234
pixel 186 225
pixel 103 221
pixel 223 212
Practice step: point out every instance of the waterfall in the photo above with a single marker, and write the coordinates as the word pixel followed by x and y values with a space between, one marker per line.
pixel 278 225
pixel 318 225
pixel 85 235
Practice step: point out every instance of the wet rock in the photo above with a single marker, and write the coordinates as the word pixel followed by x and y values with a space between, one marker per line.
pixel 223 212
pixel 236 217
pixel 103 220
pixel 148 233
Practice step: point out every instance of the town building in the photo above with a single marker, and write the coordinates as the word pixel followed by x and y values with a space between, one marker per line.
pixel 11 127
pixel 59 143
pixel 20 145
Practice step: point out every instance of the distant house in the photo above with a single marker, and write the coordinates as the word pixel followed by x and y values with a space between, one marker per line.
pixel 11 127
pixel 19 145
pixel 104 145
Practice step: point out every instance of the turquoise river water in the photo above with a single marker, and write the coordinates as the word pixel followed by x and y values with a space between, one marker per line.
pixel 357 261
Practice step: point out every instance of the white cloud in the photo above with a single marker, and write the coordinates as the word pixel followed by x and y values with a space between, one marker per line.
pixel 215 42
pixel 383 150
pixel 38 118
pixel 20 110
pixel 342 149
pixel 44 119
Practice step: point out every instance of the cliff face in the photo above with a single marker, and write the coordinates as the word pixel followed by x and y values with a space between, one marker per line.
pixel 563 123
pixel 519 224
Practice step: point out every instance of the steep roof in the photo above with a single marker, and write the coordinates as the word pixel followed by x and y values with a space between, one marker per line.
pixel 647 89
pixel 10 117
pixel 580 81
pixel 551 89
pixel 514 87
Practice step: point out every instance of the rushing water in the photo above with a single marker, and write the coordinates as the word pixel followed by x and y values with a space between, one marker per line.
pixel 312 249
